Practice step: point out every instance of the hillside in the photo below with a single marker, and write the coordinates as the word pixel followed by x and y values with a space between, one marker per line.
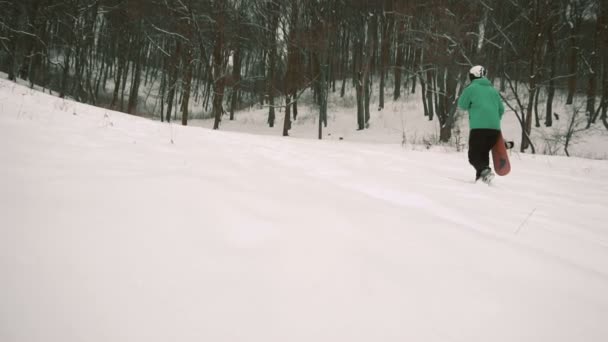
pixel 119 228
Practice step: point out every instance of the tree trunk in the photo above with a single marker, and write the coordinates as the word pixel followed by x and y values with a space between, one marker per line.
pixel 218 70
pixel 188 65
pixel 346 55
pixel 66 74
pixel 399 60
pixel 272 60
pixel 423 93
pixel 125 71
pixel 387 36
pixel 372 46
pixel 604 34
pixel 324 90
pixel 451 84
pixel 417 56
pixel 133 97
pixel 533 48
pixel 102 74
pixel 604 115
pixel 292 68
pixel 37 45
pixel 358 79
pixel 236 78
pixel 442 105
pixel 367 89
pixel 572 63
pixel 536 116
pixel 209 83
pixel 13 47
pixel 173 73
pixel 295 106
pixel 28 43
pixel 369 65
pixel 161 94
pixel 591 93
pixel 430 90
pixel 117 81
pixel 552 68
pixel 593 68
pixel 287 121
pixel 261 91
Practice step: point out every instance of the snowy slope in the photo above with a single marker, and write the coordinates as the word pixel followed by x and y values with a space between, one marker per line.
pixel 117 228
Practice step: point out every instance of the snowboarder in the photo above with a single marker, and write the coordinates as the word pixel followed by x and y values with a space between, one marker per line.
pixel 485 109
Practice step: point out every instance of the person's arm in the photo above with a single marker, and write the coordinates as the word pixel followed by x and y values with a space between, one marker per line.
pixel 463 101
pixel 501 106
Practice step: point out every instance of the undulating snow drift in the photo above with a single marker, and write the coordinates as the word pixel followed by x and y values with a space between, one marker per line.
pixel 115 228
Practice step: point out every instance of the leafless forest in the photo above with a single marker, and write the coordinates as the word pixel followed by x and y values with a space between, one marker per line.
pixel 227 54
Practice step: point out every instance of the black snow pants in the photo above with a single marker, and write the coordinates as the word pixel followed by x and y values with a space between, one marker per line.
pixel 481 141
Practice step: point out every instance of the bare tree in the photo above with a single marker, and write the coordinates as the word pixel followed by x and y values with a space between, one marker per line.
pixel 219 7
pixel 192 53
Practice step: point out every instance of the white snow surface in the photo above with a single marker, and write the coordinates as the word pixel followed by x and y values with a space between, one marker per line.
pixel 116 228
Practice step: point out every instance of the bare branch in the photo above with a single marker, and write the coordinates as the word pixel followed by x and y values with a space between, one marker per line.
pixel 174 34
pixel 157 46
pixel 486 5
pixel 505 36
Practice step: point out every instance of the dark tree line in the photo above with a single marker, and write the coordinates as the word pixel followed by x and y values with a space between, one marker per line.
pixel 218 56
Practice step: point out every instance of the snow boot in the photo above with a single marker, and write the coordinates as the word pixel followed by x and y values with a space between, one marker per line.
pixel 486 175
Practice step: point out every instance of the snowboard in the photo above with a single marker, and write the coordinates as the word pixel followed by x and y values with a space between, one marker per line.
pixel 502 166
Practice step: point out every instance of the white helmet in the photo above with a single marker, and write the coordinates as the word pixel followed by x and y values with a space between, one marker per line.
pixel 477 72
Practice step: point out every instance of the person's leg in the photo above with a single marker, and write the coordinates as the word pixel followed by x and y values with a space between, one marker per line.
pixel 489 138
pixel 488 143
pixel 481 142
pixel 476 148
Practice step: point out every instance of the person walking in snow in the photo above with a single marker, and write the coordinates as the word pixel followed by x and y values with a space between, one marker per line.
pixel 485 109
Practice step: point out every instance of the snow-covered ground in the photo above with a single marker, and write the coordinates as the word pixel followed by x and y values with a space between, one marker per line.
pixel 116 228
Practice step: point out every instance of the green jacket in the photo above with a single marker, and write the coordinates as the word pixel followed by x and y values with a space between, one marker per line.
pixel 483 103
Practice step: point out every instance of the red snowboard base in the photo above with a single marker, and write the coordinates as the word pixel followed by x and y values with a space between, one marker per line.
pixel 502 166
